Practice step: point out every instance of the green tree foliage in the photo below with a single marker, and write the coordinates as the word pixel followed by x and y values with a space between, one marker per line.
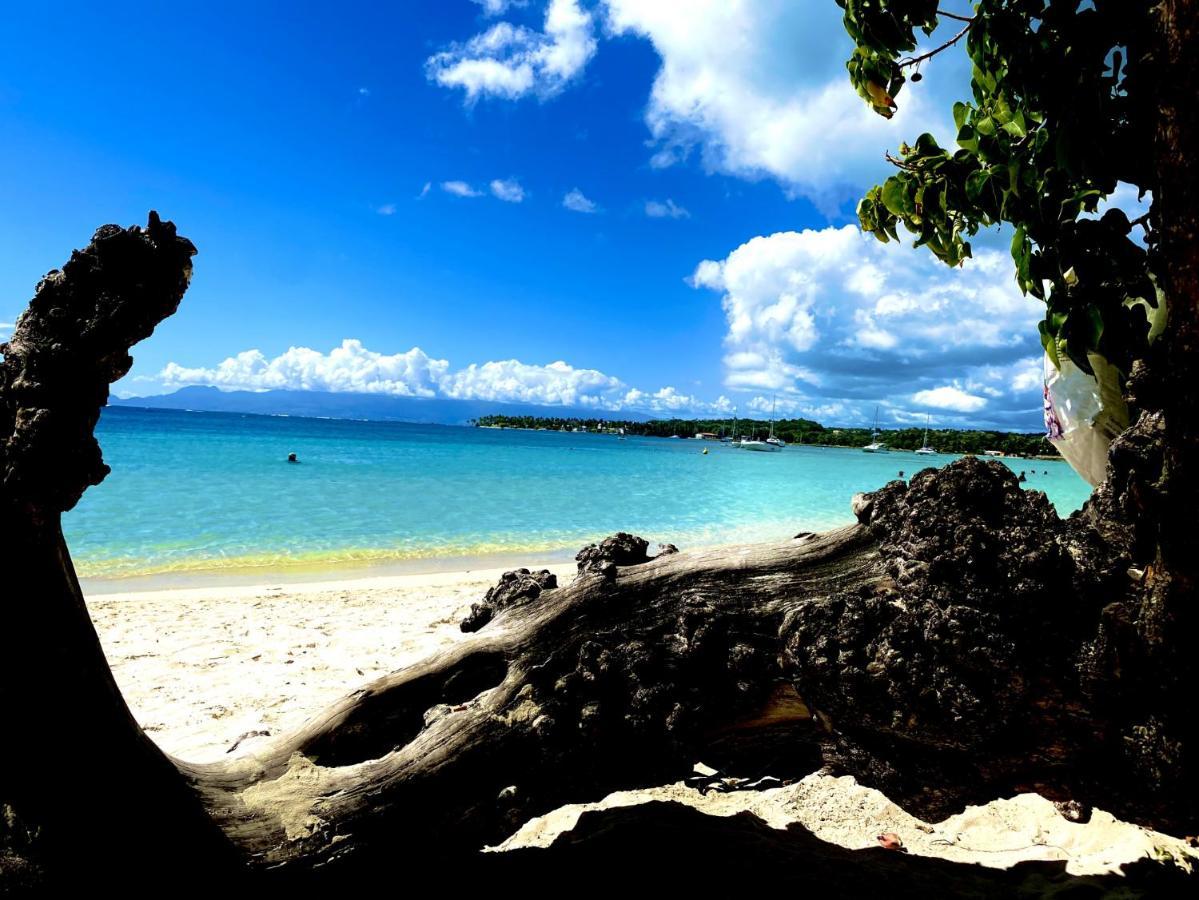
pixel 1058 116
pixel 793 431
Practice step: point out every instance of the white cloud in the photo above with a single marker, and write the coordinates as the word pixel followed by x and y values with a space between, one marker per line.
pixel 511 61
pixel 834 317
pixel 364 92
pixel 508 190
pixel 575 200
pixel 951 398
pixel 657 209
pixel 349 367
pixel 499 7
pixel 1027 375
pixel 425 190
pixel 460 189
pixel 511 380
pixel 759 87
pixel 387 209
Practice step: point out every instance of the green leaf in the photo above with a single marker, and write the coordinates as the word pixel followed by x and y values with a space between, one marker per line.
pixel 1050 345
pixel 960 111
pixel 894 197
pixel 967 139
pixel 976 183
pixel 1016 126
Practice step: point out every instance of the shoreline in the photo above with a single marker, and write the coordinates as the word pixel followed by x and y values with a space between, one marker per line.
pixel 302 572
pixel 305 577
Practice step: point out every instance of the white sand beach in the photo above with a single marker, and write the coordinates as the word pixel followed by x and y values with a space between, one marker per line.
pixel 208 668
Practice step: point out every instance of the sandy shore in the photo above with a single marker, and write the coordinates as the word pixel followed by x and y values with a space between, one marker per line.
pixel 204 667
pixel 207 668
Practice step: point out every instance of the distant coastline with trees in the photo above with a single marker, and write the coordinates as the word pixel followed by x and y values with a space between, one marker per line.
pixel 793 431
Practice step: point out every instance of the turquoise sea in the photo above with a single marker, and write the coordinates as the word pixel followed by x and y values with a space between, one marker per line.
pixel 212 493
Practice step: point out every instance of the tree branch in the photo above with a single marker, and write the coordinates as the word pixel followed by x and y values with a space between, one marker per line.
pixel 916 60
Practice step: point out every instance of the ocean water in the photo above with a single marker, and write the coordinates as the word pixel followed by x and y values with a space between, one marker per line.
pixel 213 493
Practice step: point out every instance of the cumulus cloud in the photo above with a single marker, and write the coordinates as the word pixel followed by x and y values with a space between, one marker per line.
pixel 351 367
pixel 657 209
pixel 574 200
pixel 348 367
pixel 511 61
pixel 511 380
pixel 460 189
pixel 508 190
pixel 498 7
pixel 759 88
pixel 834 317
pixel 950 397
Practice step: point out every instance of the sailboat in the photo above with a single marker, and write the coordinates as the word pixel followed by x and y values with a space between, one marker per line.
pixel 926 450
pixel 875 445
pixel 733 440
pixel 770 445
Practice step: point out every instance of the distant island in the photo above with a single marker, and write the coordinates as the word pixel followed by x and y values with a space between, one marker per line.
pixel 793 431
pixel 340 405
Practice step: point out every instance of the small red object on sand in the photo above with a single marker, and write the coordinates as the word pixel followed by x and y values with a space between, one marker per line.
pixel 889 840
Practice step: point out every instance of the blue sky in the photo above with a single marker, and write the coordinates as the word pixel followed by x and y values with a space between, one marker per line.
pixel 613 204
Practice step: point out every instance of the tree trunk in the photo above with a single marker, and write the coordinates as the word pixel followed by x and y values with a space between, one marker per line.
pixel 80 783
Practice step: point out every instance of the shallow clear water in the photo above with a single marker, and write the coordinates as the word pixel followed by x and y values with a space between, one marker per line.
pixel 213 491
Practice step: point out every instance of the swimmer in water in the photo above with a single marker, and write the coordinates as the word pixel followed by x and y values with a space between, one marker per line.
pixel 291 457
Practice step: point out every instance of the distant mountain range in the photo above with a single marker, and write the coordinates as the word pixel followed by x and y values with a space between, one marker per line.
pixel 436 411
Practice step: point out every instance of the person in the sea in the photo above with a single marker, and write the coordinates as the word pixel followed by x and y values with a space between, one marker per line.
pixel 291 457
pixel 1022 478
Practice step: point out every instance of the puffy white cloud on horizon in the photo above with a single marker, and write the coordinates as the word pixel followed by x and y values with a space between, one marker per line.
pixel 577 202
pixel 351 367
pixel 507 189
pixel 511 380
pixel 460 189
pixel 511 61
pixel 832 316
pixel 657 209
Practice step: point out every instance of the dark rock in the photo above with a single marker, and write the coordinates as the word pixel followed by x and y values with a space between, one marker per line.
pixel 985 616
pixel 666 550
pixel 513 587
pixel 1073 811
pixel 621 549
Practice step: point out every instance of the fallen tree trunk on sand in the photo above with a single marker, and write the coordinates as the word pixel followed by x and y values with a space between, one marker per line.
pixel 959 642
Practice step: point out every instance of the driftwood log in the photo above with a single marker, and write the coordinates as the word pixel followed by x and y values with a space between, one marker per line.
pixel 960 642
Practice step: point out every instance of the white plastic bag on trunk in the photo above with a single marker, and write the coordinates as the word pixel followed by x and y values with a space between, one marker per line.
pixel 1084 413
